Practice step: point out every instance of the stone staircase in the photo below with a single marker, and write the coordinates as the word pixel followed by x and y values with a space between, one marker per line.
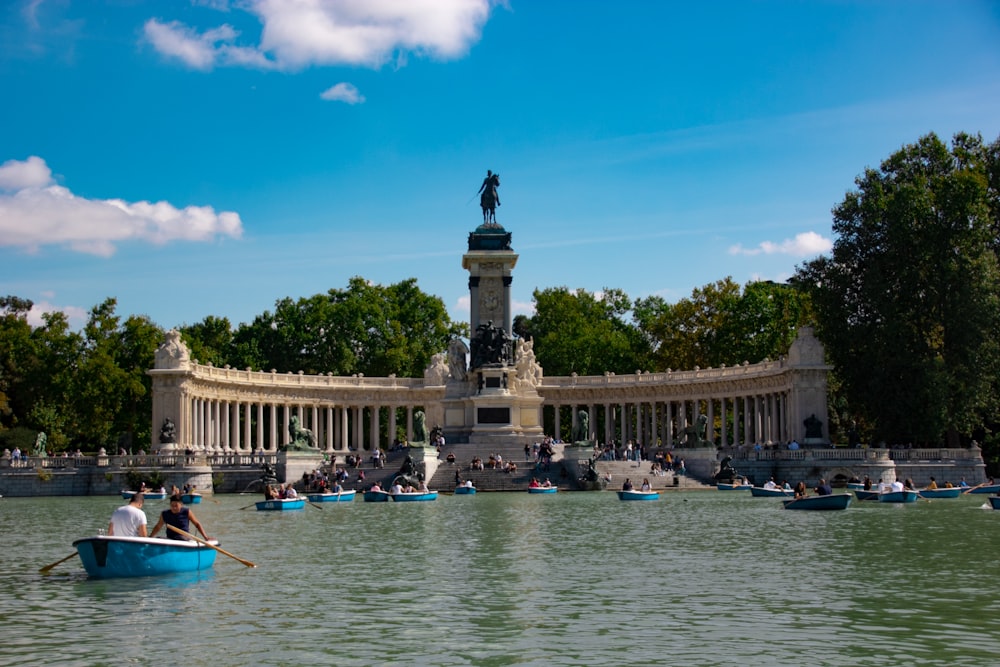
pixel 498 480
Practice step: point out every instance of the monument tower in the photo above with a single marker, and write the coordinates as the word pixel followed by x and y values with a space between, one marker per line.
pixel 495 399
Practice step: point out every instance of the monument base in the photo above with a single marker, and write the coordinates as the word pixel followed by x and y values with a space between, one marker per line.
pixel 292 465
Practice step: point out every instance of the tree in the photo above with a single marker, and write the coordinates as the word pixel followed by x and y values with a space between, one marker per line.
pixel 722 324
pixel 908 306
pixel 210 341
pixel 366 328
pixel 575 331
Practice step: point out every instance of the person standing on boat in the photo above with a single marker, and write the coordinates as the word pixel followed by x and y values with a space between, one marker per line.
pixel 178 516
pixel 129 520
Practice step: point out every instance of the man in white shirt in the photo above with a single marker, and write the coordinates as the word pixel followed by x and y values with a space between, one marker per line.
pixel 129 520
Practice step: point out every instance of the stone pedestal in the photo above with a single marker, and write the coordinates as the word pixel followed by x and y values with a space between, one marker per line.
pixel 291 465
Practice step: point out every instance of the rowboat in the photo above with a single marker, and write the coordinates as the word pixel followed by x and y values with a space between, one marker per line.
pixel 994 502
pixel 414 496
pixel 148 495
pixel 855 486
pixel 638 495
pixel 725 486
pixel 108 557
pixel 281 504
pixel 465 490
pixel 761 492
pixel 542 489
pixel 903 496
pixel 993 489
pixel 945 492
pixel 376 496
pixel 191 498
pixel 866 494
pixel 836 501
pixel 342 497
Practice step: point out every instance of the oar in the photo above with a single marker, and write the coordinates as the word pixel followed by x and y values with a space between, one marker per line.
pixel 209 544
pixel 47 568
pixel 973 488
pixel 248 506
pixel 319 507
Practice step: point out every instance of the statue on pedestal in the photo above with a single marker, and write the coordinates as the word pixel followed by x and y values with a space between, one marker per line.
pixel 489 198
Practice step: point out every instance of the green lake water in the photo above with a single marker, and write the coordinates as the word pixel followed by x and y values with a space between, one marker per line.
pixel 696 578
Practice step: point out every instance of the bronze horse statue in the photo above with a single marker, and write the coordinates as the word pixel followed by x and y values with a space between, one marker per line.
pixel 489 199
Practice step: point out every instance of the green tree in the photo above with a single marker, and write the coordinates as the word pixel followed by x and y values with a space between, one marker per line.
pixel 722 324
pixel 367 328
pixel 908 305
pixel 575 331
pixel 210 341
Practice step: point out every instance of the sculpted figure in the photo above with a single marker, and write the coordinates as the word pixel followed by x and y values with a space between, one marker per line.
pixel 814 427
pixel 168 432
pixel 529 373
pixel 41 440
pixel 457 363
pixel 582 431
pixel 419 427
pixel 437 372
pixel 489 198
pixel 302 439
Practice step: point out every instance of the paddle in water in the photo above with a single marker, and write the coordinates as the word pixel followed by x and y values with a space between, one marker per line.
pixel 210 545
pixel 48 568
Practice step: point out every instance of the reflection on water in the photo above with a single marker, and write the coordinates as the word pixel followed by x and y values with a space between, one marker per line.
pixel 697 578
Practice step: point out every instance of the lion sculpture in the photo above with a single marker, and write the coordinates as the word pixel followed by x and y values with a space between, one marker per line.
pixel 302 439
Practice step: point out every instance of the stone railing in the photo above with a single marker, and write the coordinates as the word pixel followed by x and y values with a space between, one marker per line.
pixel 300 379
pixel 827 454
pixel 934 454
pixel 613 380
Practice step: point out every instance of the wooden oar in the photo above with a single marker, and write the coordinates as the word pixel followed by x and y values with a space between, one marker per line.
pixel 973 488
pixel 248 506
pixel 319 507
pixel 209 544
pixel 48 568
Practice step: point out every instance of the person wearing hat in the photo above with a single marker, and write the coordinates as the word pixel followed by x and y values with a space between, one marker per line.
pixel 129 520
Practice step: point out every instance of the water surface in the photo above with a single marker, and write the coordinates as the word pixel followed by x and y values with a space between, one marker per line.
pixel 697 578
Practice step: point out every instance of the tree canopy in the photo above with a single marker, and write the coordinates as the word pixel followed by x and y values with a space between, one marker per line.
pixel 908 305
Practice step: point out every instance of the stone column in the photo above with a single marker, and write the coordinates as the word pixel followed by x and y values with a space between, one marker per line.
pixel 273 444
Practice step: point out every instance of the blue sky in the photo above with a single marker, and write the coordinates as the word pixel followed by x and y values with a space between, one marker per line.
pixel 210 157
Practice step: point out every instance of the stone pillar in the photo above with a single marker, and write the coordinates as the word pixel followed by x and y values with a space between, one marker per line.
pixel 273 444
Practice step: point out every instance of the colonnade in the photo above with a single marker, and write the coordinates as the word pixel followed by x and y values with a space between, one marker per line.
pixel 246 426
pixel 731 420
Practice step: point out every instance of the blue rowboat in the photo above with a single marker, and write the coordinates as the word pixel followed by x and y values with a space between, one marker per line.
pixel 109 557
pixel 281 504
pixel 723 486
pixel 415 497
pixel 376 496
pixel 994 502
pixel 542 489
pixel 946 492
pixel 191 498
pixel 903 496
pixel 993 489
pixel 855 486
pixel 866 494
pixel 148 495
pixel 638 495
pixel 465 490
pixel 342 497
pixel 836 501
pixel 761 492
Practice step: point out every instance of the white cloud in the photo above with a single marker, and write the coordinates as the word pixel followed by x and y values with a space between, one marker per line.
pixel 32 173
pixel 807 244
pixel 37 212
pixel 298 34
pixel 74 314
pixel 343 92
